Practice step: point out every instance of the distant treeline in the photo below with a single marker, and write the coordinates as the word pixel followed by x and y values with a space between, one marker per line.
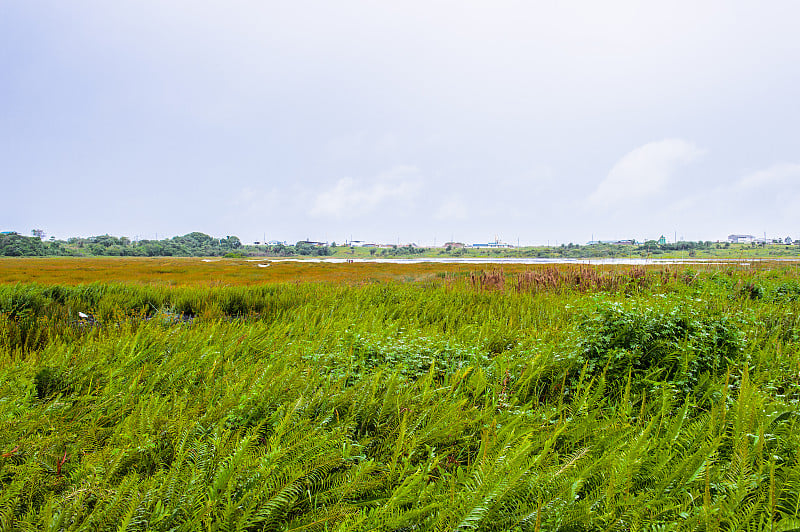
pixel 190 245
pixel 198 244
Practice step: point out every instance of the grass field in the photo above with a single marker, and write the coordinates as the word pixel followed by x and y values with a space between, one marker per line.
pixel 215 272
pixel 239 272
pixel 192 395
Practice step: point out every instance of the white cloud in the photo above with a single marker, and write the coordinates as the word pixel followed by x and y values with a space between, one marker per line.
pixel 762 201
pixel 768 198
pixel 350 197
pixel 644 171
pixel 776 174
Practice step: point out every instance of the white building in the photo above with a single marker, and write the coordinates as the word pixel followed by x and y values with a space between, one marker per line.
pixel 741 239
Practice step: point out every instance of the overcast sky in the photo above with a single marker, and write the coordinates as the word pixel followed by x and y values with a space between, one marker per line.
pixel 401 121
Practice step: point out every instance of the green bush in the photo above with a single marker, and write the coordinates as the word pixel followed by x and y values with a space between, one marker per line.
pixel 751 290
pixel 785 292
pixel 49 382
pixel 653 345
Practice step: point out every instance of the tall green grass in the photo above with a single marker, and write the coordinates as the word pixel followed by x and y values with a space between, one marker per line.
pixel 443 405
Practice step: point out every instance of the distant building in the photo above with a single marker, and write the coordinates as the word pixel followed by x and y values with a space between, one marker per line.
pixel 662 241
pixel 788 241
pixel 627 242
pixel 495 244
pixel 741 239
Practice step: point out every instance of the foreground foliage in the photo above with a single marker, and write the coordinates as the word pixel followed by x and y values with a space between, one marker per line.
pixel 537 402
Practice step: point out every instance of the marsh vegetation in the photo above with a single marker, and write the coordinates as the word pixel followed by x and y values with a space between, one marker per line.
pixel 394 399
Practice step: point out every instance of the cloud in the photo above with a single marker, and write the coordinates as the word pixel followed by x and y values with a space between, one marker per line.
pixel 776 174
pixel 760 201
pixel 644 171
pixel 350 198
pixel 767 198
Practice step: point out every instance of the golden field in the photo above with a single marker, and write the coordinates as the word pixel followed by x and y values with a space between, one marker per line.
pixel 192 271
pixel 213 272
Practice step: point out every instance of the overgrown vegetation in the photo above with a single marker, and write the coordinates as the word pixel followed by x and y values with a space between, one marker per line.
pixel 549 399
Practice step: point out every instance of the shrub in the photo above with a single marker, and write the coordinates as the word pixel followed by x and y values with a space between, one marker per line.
pixel 786 292
pixel 48 382
pixel 752 291
pixel 676 346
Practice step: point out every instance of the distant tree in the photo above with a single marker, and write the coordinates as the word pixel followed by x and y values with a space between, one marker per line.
pixel 38 233
pixel 232 242
pixel 21 246
pixel 650 245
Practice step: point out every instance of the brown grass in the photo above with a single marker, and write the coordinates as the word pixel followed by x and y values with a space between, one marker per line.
pixel 493 280
pixel 222 272
pixel 584 278
pixel 237 272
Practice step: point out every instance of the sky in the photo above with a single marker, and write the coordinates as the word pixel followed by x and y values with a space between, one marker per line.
pixel 429 121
